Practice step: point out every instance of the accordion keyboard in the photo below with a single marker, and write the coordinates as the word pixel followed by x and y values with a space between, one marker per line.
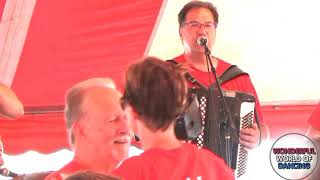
pixel 246 120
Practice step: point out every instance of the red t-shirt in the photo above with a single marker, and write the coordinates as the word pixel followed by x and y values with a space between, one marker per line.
pixel 185 162
pixel 314 119
pixel 67 170
pixel 240 83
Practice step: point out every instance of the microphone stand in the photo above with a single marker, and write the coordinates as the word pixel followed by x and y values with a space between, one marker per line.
pixel 228 123
pixel 6 173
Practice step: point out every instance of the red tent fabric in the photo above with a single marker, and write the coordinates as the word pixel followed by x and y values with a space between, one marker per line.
pixel 2 3
pixel 69 41
pixel 287 118
pixel 46 132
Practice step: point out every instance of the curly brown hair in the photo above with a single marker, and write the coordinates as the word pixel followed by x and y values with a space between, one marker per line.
pixel 88 175
pixel 157 91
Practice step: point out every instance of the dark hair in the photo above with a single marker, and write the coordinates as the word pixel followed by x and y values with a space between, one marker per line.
pixel 157 91
pixel 88 175
pixel 198 4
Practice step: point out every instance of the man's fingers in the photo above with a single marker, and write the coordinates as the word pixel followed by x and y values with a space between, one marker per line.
pixel 255 126
pixel 247 138
pixel 247 145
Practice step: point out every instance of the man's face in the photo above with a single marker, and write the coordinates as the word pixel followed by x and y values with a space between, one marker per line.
pixel 199 22
pixel 105 127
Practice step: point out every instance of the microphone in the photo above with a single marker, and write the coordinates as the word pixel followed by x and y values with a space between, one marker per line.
pixel 6 173
pixel 202 41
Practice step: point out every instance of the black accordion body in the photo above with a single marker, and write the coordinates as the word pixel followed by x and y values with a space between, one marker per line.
pixel 241 106
pixel 205 119
pixel 213 120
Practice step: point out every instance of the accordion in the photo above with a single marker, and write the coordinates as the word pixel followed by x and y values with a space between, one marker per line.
pixel 241 107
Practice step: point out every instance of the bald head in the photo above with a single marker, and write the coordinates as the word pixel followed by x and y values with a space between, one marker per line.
pixel 89 96
pixel 102 99
pixel 105 82
pixel 99 130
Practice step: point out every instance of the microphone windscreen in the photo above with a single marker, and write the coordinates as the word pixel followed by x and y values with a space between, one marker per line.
pixel 202 40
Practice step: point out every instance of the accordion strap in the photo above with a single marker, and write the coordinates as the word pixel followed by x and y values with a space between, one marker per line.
pixel 230 73
pixel 173 61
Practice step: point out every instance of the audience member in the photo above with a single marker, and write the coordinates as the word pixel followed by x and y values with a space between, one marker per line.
pixel 87 175
pixel 98 130
pixel 155 95
pixel 10 106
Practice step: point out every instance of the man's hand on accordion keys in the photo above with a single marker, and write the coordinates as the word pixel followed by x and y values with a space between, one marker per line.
pixel 250 137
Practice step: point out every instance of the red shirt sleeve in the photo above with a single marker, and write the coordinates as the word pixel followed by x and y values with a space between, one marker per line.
pixel 130 169
pixel 314 119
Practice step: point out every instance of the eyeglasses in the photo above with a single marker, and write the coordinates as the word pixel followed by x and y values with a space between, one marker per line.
pixel 197 25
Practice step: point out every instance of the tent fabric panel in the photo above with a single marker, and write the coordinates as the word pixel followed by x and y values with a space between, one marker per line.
pixel 284 119
pixel 71 41
pixel 46 133
pixel 2 4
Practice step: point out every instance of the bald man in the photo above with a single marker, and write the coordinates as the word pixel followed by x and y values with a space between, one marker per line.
pixel 10 106
pixel 99 133
pixel 97 81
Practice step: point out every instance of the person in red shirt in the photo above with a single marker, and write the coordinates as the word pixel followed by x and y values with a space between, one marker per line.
pixel 98 131
pixel 314 121
pixel 155 95
pixel 314 133
pixel 10 106
pixel 197 20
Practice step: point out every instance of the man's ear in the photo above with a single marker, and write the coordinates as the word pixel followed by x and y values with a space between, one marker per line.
pixel 180 33
pixel 132 116
pixel 78 129
pixel 73 134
